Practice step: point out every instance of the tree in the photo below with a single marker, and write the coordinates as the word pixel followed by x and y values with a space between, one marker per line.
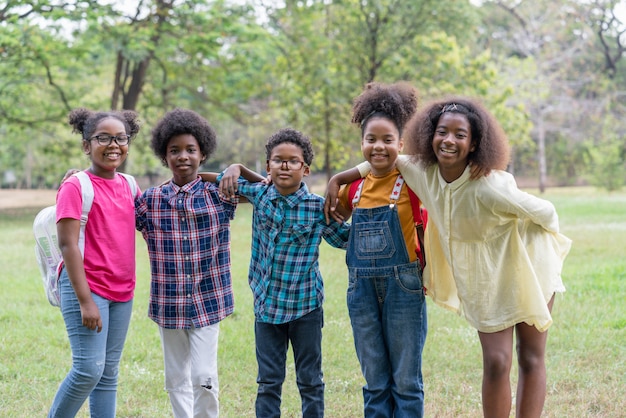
pixel 329 50
pixel 611 32
pixel 544 46
pixel 161 54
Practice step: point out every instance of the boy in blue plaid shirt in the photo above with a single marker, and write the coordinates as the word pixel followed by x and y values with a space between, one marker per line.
pixel 287 228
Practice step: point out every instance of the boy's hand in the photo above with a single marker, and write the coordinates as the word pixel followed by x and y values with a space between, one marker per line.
pixel 228 184
pixel 267 180
pixel 332 200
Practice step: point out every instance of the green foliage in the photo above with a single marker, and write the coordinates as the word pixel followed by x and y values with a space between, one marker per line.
pixel 567 160
pixel 606 164
pixel 252 67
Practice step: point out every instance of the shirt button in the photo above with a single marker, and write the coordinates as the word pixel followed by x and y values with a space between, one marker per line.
pixel 188 295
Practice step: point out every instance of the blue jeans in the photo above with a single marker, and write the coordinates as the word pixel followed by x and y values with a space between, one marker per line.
pixel 272 342
pixel 95 355
pixel 388 317
pixel 387 311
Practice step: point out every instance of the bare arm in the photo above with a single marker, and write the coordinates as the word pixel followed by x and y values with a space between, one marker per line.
pixel 332 192
pixel 228 183
pixel 209 176
pixel 68 231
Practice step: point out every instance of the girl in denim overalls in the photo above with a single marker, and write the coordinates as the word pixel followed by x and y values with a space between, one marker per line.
pixel 385 293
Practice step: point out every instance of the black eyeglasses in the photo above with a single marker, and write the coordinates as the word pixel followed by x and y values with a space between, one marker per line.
pixel 106 139
pixel 291 164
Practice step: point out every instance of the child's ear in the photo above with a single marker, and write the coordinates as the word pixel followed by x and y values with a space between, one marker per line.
pixel 401 144
pixel 307 170
pixel 86 147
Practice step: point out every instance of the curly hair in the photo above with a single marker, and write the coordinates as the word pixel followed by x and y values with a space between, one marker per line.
pixel 396 102
pixel 180 122
pixel 291 136
pixel 85 121
pixel 491 148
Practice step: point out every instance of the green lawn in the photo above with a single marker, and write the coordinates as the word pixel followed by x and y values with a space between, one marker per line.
pixel 586 344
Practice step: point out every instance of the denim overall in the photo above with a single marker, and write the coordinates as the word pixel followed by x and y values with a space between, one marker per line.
pixel 387 311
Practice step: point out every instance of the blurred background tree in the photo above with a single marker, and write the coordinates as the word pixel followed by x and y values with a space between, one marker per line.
pixel 552 72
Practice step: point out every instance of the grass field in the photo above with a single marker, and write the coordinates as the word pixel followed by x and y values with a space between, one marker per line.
pixel 586 344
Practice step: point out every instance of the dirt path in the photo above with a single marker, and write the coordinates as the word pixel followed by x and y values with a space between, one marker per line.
pixel 19 198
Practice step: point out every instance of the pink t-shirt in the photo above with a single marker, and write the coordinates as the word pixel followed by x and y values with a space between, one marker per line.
pixel 109 234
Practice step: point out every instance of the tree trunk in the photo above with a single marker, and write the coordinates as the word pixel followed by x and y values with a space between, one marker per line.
pixel 117 81
pixel 541 151
pixel 327 140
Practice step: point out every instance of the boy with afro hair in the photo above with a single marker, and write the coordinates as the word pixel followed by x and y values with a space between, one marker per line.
pixel 186 225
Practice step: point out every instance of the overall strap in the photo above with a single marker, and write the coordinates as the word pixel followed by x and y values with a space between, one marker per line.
pixel 356 188
pixel 415 205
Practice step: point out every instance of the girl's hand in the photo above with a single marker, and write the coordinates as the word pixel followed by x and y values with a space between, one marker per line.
pixel 69 173
pixel 477 172
pixel 341 213
pixel 228 184
pixel 91 316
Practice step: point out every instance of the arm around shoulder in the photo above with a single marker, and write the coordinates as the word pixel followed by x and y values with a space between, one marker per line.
pixel 332 190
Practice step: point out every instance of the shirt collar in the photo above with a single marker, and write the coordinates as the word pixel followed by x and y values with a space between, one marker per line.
pixel 185 188
pixel 456 183
pixel 292 199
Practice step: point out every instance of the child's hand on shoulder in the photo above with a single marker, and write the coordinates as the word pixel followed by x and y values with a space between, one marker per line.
pixel 332 201
pixel 340 213
pixel 228 183
pixel 477 172
pixel 267 180
pixel 69 174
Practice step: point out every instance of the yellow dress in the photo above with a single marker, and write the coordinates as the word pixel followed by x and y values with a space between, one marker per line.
pixel 493 252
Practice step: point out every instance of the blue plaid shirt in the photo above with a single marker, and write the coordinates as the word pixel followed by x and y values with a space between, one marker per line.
pixel 187 230
pixel 284 272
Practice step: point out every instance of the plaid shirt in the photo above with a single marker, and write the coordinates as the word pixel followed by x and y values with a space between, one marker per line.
pixel 187 230
pixel 286 233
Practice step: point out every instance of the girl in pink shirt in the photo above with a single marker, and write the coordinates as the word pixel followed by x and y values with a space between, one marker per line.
pixel 97 287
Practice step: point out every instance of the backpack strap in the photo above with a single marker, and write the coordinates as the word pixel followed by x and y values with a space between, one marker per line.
pixel 86 191
pixel 415 206
pixel 132 183
pixel 420 223
pixel 354 186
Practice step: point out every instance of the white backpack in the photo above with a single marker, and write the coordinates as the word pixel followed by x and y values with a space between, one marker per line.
pixel 46 243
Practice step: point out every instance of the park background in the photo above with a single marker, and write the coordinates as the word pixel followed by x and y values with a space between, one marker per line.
pixel 554 73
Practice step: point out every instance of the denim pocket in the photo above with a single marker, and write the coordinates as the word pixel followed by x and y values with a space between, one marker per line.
pixel 410 280
pixel 373 240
